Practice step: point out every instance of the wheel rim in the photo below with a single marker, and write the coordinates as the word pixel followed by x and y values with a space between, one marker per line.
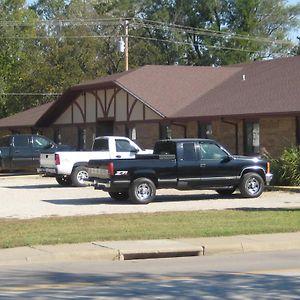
pixel 143 191
pixel 253 185
pixel 81 176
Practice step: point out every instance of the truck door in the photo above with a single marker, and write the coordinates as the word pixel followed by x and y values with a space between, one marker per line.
pixel 217 167
pixel 124 149
pixel 188 160
pixel 21 153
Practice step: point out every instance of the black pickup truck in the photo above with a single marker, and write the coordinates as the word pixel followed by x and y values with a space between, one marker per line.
pixel 22 151
pixel 180 164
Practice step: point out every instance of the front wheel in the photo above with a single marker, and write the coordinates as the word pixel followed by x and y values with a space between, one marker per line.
pixel 79 175
pixel 142 191
pixel 252 185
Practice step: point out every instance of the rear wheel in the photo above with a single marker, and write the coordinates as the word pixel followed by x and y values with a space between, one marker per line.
pixel 64 180
pixel 79 175
pixel 252 185
pixel 119 196
pixel 225 192
pixel 142 191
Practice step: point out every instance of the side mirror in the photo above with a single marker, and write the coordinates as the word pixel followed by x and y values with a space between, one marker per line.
pixel 227 158
pixel 134 150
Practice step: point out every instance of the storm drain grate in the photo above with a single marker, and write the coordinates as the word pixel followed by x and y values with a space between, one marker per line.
pixel 160 254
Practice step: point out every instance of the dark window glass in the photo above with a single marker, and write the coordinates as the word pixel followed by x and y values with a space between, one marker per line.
pixel 251 137
pixel 189 152
pixel 204 130
pixel 21 141
pixel 101 145
pixel 165 132
pixel 211 151
pixel 165 148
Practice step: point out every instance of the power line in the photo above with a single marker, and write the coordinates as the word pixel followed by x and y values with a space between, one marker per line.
pixel 151 25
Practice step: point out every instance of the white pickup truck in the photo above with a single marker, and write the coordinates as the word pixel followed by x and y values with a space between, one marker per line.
pixel 69 167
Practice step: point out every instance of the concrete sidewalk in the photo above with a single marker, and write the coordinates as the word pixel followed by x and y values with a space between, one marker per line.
pixel 126 250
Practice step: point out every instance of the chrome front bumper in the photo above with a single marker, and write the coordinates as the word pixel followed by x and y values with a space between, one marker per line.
pixel 269 177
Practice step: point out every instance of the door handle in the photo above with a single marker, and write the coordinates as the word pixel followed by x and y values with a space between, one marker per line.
pixel 118 156
pixel 202 165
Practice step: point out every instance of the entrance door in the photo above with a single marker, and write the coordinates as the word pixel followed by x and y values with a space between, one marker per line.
pixel 105 128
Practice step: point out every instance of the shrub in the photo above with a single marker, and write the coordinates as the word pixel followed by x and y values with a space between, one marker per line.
pixel 286 168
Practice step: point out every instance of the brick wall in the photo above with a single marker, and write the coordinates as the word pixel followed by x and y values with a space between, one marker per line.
pixel 277 134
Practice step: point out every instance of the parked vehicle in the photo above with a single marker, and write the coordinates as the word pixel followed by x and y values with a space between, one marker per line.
pixel 180 164
pixel 70 168
pixel 22 151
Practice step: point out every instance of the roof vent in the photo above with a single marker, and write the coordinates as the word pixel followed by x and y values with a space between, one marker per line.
pixel 244 77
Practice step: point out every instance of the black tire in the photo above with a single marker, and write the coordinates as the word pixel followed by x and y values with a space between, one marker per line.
pixel 64 180
pixel 78 176
pixel 142 191
pixel 119 196
pixel 252 185
pixel 226 192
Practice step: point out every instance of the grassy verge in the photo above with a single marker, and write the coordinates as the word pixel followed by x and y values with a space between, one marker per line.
pixel 56 230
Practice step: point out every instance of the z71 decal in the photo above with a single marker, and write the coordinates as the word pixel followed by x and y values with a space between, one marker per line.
pixel 121 173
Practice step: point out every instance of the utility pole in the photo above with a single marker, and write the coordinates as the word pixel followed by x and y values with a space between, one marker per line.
pixel 126 45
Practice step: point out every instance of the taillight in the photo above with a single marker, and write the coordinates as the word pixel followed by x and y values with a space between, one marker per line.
pixel 57 159
pixel 111 169
pixel 268 167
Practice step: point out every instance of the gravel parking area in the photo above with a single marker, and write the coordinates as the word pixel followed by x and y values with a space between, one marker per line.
pixel 33 196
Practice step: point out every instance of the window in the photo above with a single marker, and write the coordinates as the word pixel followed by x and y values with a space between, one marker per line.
pixel 41 143
pixel 124 146
pixel 204 130
pixel 211 151
pixel 251 137
pixel 81 139
pixel 131 133
pixel 100 145
pixel 165 132
pixel 189 152
pixel 165 148
pixel 21 141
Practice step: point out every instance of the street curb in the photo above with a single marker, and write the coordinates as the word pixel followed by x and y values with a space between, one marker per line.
pixel 294 189
pixel 144 249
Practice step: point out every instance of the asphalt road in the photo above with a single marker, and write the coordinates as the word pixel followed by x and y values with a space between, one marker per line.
pixel 34 196
pixel 268 275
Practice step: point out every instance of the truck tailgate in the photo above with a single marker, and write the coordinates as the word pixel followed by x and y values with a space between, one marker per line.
pixel 47 160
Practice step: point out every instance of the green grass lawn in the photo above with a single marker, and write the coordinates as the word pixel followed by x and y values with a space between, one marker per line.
pixel 56 230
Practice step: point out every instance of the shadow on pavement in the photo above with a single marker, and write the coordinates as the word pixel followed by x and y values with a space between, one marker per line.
pixel 139 285
pixel 158 199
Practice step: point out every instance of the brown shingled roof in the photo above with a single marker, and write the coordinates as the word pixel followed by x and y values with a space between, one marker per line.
pixel 27 118
pixel 258 88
